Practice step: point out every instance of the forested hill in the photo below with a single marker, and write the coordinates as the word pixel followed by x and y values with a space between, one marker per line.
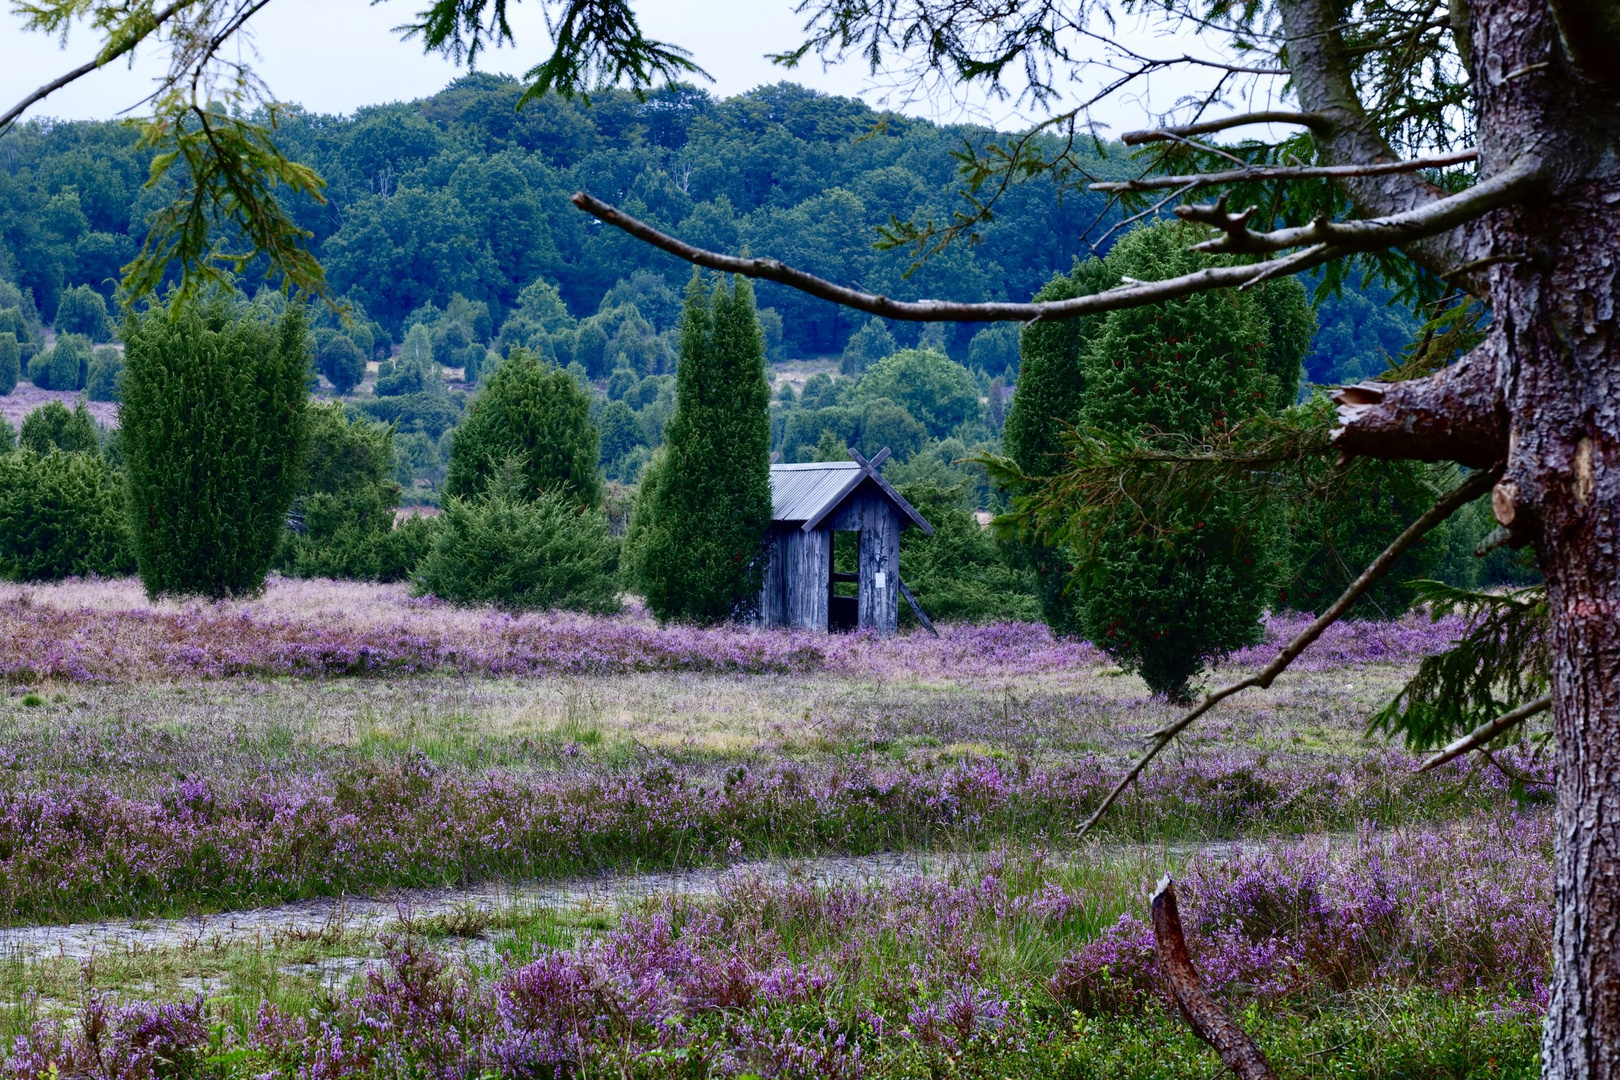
pixel 464 193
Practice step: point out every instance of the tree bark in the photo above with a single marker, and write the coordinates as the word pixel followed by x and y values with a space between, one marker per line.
pixel 1549 383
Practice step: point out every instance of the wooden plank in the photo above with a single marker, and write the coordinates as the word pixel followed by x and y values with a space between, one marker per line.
pixel 928 623
pixel 773 590
pixel 807 561
pixel 880 563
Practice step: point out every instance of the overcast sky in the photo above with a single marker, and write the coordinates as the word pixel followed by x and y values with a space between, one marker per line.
pixel 333 56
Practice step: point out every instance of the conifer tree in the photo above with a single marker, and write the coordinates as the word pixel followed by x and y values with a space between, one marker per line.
pixel 1051 385
pixel 538 412
pixel 1170 587
pixel 695 543
pixel 213 437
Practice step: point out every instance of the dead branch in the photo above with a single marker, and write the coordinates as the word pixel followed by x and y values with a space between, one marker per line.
pixel 1208 1020
pixel 105 57
pixel 1209 127
pixel 1483 734
pixel 1351 236
pixel 1392 230
pixel 1257 173
pixel 1456 414
pixel 1476 484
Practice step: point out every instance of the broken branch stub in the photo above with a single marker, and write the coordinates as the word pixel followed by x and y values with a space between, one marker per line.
pixel 1209 1021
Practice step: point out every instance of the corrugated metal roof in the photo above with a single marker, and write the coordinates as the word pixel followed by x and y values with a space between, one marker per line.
pixel 802 492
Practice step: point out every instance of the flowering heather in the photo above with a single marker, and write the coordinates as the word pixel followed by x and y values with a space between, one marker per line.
pixel 924 976
pixel 70 850
pixel 108 631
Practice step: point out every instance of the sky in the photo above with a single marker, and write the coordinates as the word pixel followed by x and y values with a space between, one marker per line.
pixel 333 56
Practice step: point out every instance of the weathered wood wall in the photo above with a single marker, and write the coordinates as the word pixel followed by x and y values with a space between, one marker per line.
pixel 879 525
pixel 806 564
pixel 773 592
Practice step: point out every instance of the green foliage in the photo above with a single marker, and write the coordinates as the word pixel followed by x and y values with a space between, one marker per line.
pixel 1350 517
pixel 428 414
pixel 539 314
pixel 415 370
pixel 1051 387
pixel 61 515
pixel 53 427
pixel 930 386
pixel 342 362
pixel 1502 661
pixel 8 436
pixel 696 535
pixel 539 413
pixel 104 382
pixel 1290 328
pixel 1176 584
pixel 866 347
pixel 519 550
pixel 346 505
pixel 214 438
pixel 994 350
pixel 64 366
pixel 961 573
pixel 621 432
pixel 10 362
pixel 83 311
pixel 884 423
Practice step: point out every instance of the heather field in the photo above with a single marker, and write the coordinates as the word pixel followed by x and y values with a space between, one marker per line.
pixel 340 832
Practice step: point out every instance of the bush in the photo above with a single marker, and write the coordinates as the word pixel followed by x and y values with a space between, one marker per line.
pixel 428 414
pixel 10 362
pixel 866 347
pixel 1170 586
pixel 61 515
pixel 521 553
pixel 213 436
pixel 83 311
pixel 536 412
pixel 696 538
pixel 65 366
pixel 961 573
pixel 343 363
pixel 346 504
pixel 105 381
pixel 53 427
pixel 994 350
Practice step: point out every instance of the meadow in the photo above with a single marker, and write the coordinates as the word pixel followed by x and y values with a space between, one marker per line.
pixel 338 831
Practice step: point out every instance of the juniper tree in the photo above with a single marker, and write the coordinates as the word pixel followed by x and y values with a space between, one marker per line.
pixel 695 543
pixel 213 438
pixel 535 411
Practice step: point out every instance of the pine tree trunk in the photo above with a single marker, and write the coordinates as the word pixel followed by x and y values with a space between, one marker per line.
pixel 1543 394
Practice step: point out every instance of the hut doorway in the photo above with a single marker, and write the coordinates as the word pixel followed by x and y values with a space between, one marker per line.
pixel 844 582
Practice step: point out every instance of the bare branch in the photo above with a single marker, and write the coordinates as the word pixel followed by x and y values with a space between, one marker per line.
pixel 1370 234
pixel 1209 127
pixel 105 57
pixel 1257 173
pixel 1209 1022
pixel 1456 414
pixel 1448 504
pixel 1483 734
pixel 1358 236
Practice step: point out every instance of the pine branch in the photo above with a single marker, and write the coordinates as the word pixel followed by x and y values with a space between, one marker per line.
pixel 1254 173
pixel 1209 127
pixel 1486 733
pixel 1461 495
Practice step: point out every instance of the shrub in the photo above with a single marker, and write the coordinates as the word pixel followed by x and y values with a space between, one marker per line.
pixel 61 515
pixel 428 414
pixel 519 552
pixel 105 381
pixel 696 537
pixel 8 436
pixel 53 427
pixel 82 310
pixel 621 431
pixel 346 503
pixel 213 436
pixel 536 412
pixel 961 573
pixel 10 362
pixel 343 363
pixel 65 366
pixel 1169 586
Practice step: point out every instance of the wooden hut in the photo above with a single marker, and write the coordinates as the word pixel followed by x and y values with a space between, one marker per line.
pixel 808 504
